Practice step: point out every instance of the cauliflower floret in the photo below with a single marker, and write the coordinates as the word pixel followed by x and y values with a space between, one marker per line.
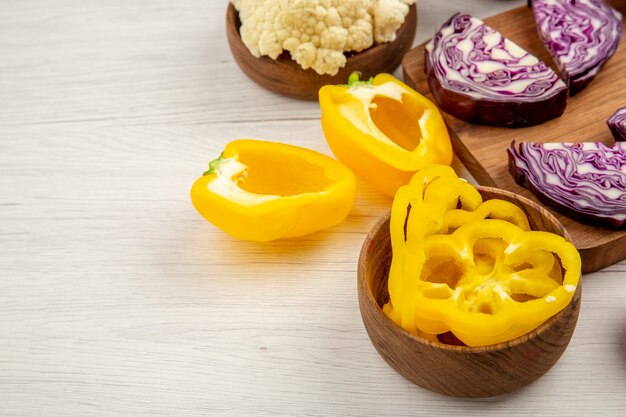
pixel 388 16
pixel 317 32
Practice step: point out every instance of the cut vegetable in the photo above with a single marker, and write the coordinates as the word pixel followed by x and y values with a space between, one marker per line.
pixel 580 35
pixel 383 130
pixel 617 124
pixel 585 181
pixel 261 191
pixel 479 76
pixel 486 280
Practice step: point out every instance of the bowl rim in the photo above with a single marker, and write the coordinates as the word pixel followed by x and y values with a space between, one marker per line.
pixel 362 287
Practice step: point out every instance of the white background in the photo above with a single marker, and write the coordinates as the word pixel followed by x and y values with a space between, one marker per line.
pixel 118 299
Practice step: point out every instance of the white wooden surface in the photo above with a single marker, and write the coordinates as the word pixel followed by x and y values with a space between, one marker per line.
pixel 117 299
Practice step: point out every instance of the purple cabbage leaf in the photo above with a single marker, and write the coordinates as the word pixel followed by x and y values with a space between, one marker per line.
pixel 580 35
pixel 617 124
pixel 585 181
pixel 479 76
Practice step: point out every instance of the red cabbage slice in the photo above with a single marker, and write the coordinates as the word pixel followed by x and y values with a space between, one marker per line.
pixel 479 76
pixel 585 181
pixel 581 35
pixel 617 124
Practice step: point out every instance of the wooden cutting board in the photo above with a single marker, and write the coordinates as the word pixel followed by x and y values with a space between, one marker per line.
pixel 483 148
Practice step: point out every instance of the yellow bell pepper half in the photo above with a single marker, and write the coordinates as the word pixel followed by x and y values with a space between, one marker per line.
pixel 383 130
pixel 261 191
pixel 472 267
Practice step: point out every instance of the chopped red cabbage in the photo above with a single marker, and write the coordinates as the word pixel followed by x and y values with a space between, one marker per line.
pixel 585 181
pixel 479 76
pixel 617 124
pixel 581 35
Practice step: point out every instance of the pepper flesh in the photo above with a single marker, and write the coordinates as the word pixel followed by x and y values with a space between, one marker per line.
pixel 478 270
pixel 262 191
pixel 383 130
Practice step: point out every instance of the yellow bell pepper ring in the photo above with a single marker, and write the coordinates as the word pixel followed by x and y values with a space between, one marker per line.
pixel 383 130
pixel 472 267
pixel 261 191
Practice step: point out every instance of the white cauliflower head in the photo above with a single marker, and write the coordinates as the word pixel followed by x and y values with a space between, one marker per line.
pixel 317 32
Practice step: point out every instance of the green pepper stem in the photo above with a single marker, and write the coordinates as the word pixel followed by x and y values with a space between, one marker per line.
pixel 214 164
pixel 355 82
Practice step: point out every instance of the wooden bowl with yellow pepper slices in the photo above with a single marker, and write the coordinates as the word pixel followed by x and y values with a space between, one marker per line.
pixel 481 292
pixel 285 76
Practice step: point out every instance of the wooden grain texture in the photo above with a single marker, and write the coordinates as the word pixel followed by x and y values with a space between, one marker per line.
pixel 461 371
pixel 483 148
pixel 284 76
pixel 118 299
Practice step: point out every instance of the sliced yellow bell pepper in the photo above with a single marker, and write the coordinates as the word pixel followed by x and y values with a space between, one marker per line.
pixel 477 271
pixel 383 130
pixel 261 191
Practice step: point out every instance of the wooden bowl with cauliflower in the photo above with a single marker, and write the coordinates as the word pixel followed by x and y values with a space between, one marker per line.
pixel 296 50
